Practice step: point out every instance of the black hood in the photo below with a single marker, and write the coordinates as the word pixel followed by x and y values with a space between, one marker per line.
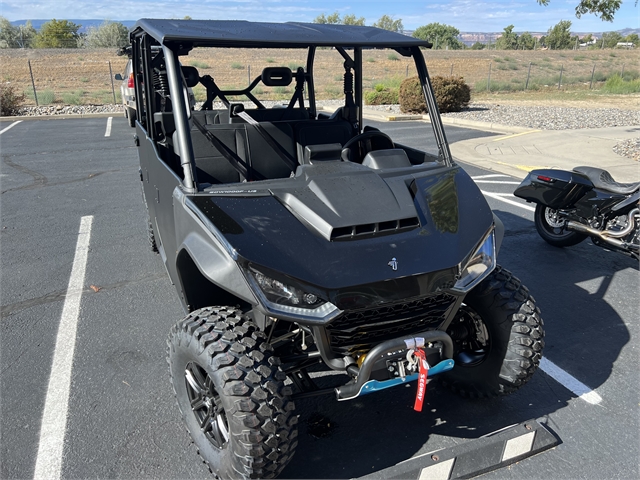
pixel 278 231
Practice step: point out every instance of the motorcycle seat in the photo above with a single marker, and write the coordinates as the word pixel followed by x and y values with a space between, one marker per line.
pixel 604 181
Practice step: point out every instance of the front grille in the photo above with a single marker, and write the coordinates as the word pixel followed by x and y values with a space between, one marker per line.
pixel 360 330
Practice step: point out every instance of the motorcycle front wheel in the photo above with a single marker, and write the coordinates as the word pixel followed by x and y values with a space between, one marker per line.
pixel 551 226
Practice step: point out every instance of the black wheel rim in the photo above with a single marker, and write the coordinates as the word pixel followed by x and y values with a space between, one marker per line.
pixel 206 405
pixel 554 223
pixel 470 337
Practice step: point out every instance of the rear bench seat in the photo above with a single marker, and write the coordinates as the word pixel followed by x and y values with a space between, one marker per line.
pixel 247 142
pixel 258 114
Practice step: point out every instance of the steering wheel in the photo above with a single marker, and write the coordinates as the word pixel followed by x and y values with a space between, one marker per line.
pixel 366 142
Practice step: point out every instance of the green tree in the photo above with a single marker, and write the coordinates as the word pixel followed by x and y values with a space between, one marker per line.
pixel 508 40
pixel 388 23
pixel 587 38
pixel 108 34
pixel 526 41
pixel 8 34
pixel 440 35
pixel 633 38
pixel 604 9
pixel 478 46
pixel 57 34
pixel 352 20
pixel 611 39
pixel 332 19
pixel 20 36
pixel 26 34
pixel 559 36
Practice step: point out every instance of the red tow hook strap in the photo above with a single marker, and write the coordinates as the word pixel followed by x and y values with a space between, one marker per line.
pixel 422 379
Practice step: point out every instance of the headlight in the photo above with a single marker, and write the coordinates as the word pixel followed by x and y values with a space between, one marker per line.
pixel 479 265
pixel 279 298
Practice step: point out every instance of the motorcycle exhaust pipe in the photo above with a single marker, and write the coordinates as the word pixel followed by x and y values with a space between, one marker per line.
pixel 592 232
pixel 608 236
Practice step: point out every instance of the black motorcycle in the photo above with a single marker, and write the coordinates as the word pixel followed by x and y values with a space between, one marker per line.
pixel 585 202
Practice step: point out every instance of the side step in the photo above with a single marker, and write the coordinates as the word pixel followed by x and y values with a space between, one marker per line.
pixel 475 457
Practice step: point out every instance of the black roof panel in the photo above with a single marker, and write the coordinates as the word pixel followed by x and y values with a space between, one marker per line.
pixel 240 33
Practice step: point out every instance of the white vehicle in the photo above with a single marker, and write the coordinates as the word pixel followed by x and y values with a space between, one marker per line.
pixel 128 91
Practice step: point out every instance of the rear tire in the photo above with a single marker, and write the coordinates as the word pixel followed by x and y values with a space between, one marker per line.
pixel 552 228
pixel 151 238
pixel 131 116
pixel 498 338
pixel 230 390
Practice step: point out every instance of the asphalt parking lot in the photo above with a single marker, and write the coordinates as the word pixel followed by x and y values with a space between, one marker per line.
pixel 121 420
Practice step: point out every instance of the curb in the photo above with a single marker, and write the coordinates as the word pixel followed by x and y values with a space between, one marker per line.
pixel 458 122
pixel 65 116
pixel 368 114
pixel 486 126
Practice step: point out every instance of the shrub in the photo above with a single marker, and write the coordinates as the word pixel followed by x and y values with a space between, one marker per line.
pixel 199 64
pixel 10 101
pixel 237 66
pixel 615 84
pixel 381 97
pixel 393 57
pixel 410 96
pixel 333 92
pixel 452 94
pixel 46 97
pixel 73 98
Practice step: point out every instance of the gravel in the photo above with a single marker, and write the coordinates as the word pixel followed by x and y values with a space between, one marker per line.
pixel 548 118
pixel 629 149
pixel 539 117
pixel 69 110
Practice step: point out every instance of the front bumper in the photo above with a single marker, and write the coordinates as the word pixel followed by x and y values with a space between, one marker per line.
pixel 363 384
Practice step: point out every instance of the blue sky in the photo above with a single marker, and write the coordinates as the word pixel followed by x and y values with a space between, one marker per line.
pixel 465 15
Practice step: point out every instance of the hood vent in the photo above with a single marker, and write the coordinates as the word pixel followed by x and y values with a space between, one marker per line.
pixel 373 229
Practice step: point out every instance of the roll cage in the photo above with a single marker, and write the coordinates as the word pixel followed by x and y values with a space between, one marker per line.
pixel 161 80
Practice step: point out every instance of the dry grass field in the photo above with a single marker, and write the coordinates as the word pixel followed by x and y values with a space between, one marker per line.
pixel 82 76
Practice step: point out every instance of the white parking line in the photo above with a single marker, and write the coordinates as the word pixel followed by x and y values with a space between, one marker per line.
pixel 493 175
pixel 570 382
pixel 54 417
pixel 500 196
pixel 504 182
pixel 10 126
pixel 108 132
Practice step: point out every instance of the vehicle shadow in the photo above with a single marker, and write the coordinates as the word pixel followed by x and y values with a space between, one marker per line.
pixel 377 431
pixel 578 291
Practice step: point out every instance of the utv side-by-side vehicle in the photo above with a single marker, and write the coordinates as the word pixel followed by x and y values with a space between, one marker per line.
pixel 299 240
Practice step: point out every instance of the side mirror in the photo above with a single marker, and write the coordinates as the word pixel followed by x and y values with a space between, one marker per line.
pixel 117 76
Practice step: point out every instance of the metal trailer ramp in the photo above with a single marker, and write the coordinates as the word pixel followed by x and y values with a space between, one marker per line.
pixel 474 457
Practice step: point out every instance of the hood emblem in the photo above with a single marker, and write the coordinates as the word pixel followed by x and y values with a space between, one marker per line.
pixel 393 264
